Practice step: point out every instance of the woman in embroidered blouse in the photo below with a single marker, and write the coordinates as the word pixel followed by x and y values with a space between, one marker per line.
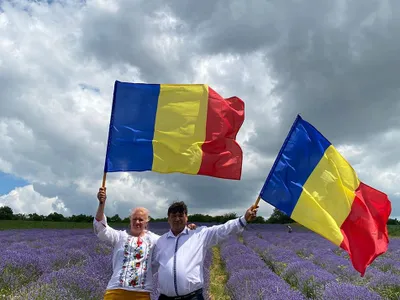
pixel 132 274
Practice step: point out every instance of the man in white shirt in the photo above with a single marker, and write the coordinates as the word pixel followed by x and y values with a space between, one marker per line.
pixel 179 254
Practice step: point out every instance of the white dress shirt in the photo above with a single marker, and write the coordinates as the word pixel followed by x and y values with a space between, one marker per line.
pixel 131 258
pixel 179 259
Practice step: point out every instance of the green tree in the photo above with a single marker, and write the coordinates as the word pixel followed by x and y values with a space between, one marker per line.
pixel 55 217
pixel 80 218
pixel 229 216
pixel 200 218
pixel 259 220
pixel 279 217
pixel 36 217
pixel 115 219
pixel 393 222
pixel 6 213
pixel 20 217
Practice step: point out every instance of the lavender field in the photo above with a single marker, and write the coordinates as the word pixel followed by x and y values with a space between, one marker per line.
pixel 266 262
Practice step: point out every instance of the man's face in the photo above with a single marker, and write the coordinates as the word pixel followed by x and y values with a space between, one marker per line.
pixel 177 221
pixel 138 223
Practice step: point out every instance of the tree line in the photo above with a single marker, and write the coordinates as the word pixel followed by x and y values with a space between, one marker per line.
pixel 6 213
pixel 277 217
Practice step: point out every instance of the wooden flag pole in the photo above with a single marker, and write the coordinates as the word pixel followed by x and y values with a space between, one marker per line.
pixel 104 179
pixel 257 201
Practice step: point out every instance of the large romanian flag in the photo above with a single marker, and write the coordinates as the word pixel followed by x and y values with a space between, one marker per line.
pixel 313 184
pixel 168 128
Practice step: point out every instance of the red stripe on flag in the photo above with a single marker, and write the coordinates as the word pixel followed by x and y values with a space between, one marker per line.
pixel 365 230
pixel 222 155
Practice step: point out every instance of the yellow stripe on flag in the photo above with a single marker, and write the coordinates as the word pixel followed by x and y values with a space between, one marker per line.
pixel 180 128
pixel 327 196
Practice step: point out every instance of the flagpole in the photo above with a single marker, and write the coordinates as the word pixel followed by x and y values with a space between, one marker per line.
pixel 257 201
pixel 109 135
pixel 104 179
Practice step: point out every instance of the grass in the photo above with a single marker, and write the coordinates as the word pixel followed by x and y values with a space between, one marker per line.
pixel 394 230
pixel 218 277
pixel 17 224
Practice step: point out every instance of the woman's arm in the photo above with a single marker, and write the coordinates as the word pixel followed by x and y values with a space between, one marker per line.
pixel 101 196
pixel 101 228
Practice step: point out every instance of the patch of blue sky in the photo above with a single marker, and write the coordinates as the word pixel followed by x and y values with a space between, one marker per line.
pixel 9 182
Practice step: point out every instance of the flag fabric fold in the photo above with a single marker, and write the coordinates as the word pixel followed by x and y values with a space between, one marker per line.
pixel 314 184
pixel 174 128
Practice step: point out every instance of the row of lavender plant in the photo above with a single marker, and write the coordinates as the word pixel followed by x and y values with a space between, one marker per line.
pixel 310 244
pixel 249 278
pixel 382 276
pixel 312 263
pixel 74 264
pixel 53 264
pixel 60 264
pixel 206 273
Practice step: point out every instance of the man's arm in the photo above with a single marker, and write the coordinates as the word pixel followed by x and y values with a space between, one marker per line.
pixel 215 234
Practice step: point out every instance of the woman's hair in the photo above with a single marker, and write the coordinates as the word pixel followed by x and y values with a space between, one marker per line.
pixel 143 210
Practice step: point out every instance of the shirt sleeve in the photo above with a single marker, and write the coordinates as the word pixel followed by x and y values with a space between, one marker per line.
pixel 154 236
pixel 215 234
pixel 154 260
pixel 105 232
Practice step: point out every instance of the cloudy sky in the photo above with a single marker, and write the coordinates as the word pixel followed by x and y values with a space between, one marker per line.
pixel 334 62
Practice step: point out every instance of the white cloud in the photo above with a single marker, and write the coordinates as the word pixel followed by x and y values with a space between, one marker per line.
pixel 59 61
pixel 26 200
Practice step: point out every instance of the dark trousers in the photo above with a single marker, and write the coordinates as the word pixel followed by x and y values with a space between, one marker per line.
pixel 196 295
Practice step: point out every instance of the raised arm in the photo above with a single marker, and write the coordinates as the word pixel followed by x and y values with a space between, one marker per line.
pixel 102 197
pixel 101 228
pixel 215 234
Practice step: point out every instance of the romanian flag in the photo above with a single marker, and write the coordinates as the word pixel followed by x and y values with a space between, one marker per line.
pixel 315 186
pixel 168 128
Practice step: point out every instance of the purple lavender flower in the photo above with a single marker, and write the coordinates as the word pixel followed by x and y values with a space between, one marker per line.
pixel 387 264
pixel 269 264
pixel 234 248
pixel 240 262
pixel 259 284
pixel 387 285
pixel 307 277
pixel 337 265
pixel 81 281
pixel 18 268
pixel 347 291
pixel 39 290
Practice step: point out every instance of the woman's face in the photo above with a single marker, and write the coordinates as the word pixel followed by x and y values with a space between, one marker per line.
pixel 138 222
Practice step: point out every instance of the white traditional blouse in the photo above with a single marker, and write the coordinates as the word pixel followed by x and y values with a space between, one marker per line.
pixel 131 258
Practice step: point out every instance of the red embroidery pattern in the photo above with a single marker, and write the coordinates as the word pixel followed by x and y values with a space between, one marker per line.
pixel 134 266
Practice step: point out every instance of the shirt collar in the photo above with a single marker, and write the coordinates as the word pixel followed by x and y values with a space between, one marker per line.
pixel 184 231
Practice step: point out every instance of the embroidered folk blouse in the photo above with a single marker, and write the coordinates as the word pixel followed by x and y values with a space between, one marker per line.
pixel 131 257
